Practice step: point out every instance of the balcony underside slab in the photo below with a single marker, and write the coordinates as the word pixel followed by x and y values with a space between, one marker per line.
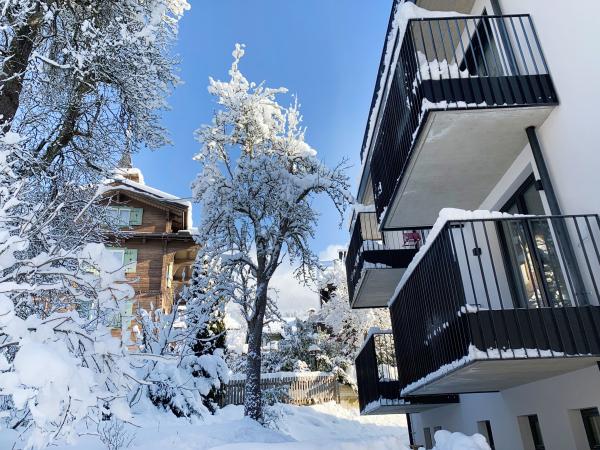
pixel 459 157
pixel 497 375
pixel 376 287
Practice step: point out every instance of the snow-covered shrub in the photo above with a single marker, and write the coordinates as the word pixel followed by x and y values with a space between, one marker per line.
pixel 114 434
pixel 59 365
pixel 184 360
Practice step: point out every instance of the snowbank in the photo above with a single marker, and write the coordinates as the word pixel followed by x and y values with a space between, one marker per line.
pixel 298 428
pixel 445 440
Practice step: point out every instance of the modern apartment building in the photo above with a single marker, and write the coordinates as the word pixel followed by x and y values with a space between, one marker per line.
pixel 484 105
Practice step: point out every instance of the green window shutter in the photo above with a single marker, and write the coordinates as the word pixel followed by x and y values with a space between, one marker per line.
pixel 130 260
pixel 135 216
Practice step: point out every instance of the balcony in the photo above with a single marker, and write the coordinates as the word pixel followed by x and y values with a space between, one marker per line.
pixel 376 261
pixel 496 303
pixel 462 93
pixel 378 385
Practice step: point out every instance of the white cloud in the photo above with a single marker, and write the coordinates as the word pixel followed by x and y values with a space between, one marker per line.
pixel 293 296
pixel 331 252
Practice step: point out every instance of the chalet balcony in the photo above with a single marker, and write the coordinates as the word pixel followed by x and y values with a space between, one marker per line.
pixel 378 385
pixel 376 261
pixel 463 91
pixel 496 303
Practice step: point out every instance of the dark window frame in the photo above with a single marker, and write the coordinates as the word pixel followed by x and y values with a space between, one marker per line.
pixel 586 415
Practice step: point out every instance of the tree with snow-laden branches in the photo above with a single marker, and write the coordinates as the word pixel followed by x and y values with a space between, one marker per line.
pixel 256 185
pixel 80 83
pixel 56 300
pixel 346 327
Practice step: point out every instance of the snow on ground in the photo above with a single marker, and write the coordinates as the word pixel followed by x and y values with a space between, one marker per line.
pixel 328 426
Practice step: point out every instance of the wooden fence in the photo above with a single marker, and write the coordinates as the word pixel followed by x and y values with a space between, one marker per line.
pixel 296 388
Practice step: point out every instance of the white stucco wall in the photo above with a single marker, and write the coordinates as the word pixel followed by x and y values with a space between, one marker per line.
pixel 556 401
pixel 568 33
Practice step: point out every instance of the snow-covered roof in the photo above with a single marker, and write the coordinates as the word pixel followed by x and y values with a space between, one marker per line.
pixel 121 182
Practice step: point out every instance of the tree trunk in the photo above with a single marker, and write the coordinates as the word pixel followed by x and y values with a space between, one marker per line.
pixel 19 52
pixel 253 397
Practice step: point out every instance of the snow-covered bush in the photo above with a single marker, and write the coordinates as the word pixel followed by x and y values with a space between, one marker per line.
pixel 183 358
pixel 59 365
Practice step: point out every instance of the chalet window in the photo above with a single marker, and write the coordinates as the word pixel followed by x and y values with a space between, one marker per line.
pixel 125 217
pixel 170 275
pixel 591 423
pixel 126 257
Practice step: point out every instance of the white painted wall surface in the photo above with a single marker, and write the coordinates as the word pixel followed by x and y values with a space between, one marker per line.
pixel 570 39
pixel 556 401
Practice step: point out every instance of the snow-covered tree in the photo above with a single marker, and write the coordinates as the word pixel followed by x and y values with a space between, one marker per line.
pixel 183 356
pixel 257 182
pixel 55 301
pixel 346 327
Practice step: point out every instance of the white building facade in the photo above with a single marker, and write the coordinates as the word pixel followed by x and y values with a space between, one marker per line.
pixel 484 105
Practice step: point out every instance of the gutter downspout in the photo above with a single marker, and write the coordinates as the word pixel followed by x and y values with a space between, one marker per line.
pixel 560 229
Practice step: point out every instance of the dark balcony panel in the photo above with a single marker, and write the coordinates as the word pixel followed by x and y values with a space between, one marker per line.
pixel 488 76
pixel 495 303
pixel 378 385
pixel 375 261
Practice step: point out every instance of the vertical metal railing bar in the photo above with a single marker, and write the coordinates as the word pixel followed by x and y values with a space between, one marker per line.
pixel 595 331
pixel 544 283
pixel 485 288
pixel 460 226
pixel 467 333
pixel 477 76
pixel 535 291
pixel 517 69
pixel 487 76
pixel 493 41
pixel 517 40
pixel 436 307
pixel 567 242
pixel 456 290
pixel 448 63
pixel 589 227
pixel 537 41
pixel 470 77
pixel 567 269
pixel 525 65
pixel 495 30
pixel 553 313
pixel 585 254
pixel 487 241
pixel 460 78
pixel 533 58
pixel 505 51
pixel 420 25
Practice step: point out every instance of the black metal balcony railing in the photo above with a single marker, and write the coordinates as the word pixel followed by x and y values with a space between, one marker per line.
pixel 377 372
pixel 507 288
pixel 377 378
pixel 376 249
pixel 454 63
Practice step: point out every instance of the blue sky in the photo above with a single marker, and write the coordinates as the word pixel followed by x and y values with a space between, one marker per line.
pixel 324 51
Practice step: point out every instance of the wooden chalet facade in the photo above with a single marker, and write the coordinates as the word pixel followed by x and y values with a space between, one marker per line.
pixel 155 242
